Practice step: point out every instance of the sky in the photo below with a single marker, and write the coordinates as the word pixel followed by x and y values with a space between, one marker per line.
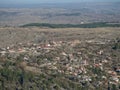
pixel 49 1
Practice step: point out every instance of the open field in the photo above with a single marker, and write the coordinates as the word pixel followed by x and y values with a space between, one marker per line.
pixel 14 35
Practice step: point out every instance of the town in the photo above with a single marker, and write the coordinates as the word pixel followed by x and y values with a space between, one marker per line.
pixel 90 64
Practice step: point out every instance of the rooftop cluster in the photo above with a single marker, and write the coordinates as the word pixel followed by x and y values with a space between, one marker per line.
pixel 85 64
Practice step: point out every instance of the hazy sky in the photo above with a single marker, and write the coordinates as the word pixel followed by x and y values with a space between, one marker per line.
pixel 48 1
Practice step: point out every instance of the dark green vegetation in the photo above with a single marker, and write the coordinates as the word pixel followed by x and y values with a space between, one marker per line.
pixel 117 44
pixel 88 25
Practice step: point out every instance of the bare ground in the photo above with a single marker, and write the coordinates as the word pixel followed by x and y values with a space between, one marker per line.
pixel 15 35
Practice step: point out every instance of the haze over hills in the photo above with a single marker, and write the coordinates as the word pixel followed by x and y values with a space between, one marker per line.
pixel 51 1
pixel 59 13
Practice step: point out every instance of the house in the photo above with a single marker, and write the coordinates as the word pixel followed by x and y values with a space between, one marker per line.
pixel 3 53
pixel 104 61
pixel 100 52
pixel 112 73
pixel 11 51
pixel 20 50
pixel 84 62
pixel 64 54
pixel 115 79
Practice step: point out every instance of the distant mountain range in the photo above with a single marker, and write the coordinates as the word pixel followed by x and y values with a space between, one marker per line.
pixel 66 13
pixel 55 5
